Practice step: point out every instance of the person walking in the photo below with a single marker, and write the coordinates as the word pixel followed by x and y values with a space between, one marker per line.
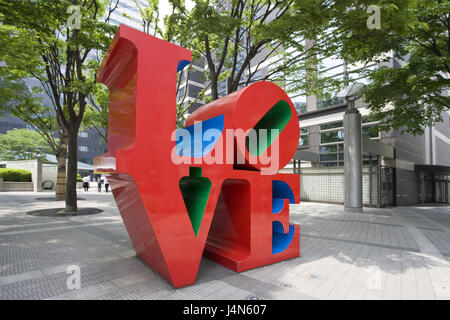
pixel 86 181
pixel 106 185
pixel 99 183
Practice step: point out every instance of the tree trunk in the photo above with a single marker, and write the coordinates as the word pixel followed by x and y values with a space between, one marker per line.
pixel 71 200
pixel 214 92
pixel 62 174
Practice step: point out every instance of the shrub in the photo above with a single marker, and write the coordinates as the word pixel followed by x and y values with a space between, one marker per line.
pixel 79 179
pixel 15 175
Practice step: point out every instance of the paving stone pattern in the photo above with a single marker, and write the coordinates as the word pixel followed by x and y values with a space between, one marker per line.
pixel 393 253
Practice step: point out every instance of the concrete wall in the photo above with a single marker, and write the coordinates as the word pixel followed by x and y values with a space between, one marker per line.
pixel 409 150
pixel 50 172
pixel 407 146
pixel 442 152
pixel 442 141
pixel 16 186
pixel 34 166
pixel 327 185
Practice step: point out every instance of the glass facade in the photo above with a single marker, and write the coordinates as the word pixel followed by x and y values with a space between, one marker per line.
pixel 331 150
pixel 303 142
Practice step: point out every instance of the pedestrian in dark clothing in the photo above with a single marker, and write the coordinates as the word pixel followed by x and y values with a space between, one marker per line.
pixel 99 184
pixel 106 184
pixel 86 183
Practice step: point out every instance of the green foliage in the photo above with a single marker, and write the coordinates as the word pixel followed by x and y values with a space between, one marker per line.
pixel 15 175
pixel 22 144
pixel 38 40
pixel 35 42
pixel 96 115
pixel 79 179
pixel 409 96
pixel 27 105
pixel 237 39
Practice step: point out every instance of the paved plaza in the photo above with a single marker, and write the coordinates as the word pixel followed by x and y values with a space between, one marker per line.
pixel 395 253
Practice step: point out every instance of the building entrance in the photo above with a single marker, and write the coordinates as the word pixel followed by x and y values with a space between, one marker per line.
pixel 387 186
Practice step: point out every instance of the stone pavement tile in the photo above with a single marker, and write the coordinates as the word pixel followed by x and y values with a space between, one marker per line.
pixel 61 268
pixel 127 254
pixel 36 288
pixel 28 252
pixel 432 257
pixel 409 246
pixel 440 239
pixel 198 291
pixel 134 278
pixel 409 291
pixel 358 291
pixel 240 294
pixel 338 293
pixel 136 291
pixel 372 294
pixel 263 289
pixel 209 270
pixel 425 288
pixel 346 280
pixel 20 277
pixel 268 273
pixel 223 292
pixel 364 275
pixel 85 293
pixel 331 275
pixel 37 273
pixel 316 271
pixel 64 227
pixel 55 284
pixel 157 295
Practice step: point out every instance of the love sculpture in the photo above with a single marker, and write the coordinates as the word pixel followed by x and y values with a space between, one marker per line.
pixel 176 204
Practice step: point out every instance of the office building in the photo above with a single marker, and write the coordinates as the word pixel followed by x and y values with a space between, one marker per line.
pixel 399 168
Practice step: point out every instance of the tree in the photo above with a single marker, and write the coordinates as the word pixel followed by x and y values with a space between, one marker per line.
pixel 62 37
pixel 22 144
pixel 154 24
pixel 27 105
pixel 237 38
pixel 416 33
pixel 96 115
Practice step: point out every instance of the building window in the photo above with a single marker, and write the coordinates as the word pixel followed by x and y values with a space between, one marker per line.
pixel 180 94
pixel 300 107
pixel 329 149
pixel 332 136
pixel 222 88
pixel 322 104
pixel 332 125
pixel 331 144
pixel 303 142
pixel 332 141
pixel 83 134
pixel 370 132
pixel 83 148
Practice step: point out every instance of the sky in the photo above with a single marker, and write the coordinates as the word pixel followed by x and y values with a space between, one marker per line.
pixel 165 7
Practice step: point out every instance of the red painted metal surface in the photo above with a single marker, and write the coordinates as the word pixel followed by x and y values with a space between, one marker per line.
pixel 237 228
